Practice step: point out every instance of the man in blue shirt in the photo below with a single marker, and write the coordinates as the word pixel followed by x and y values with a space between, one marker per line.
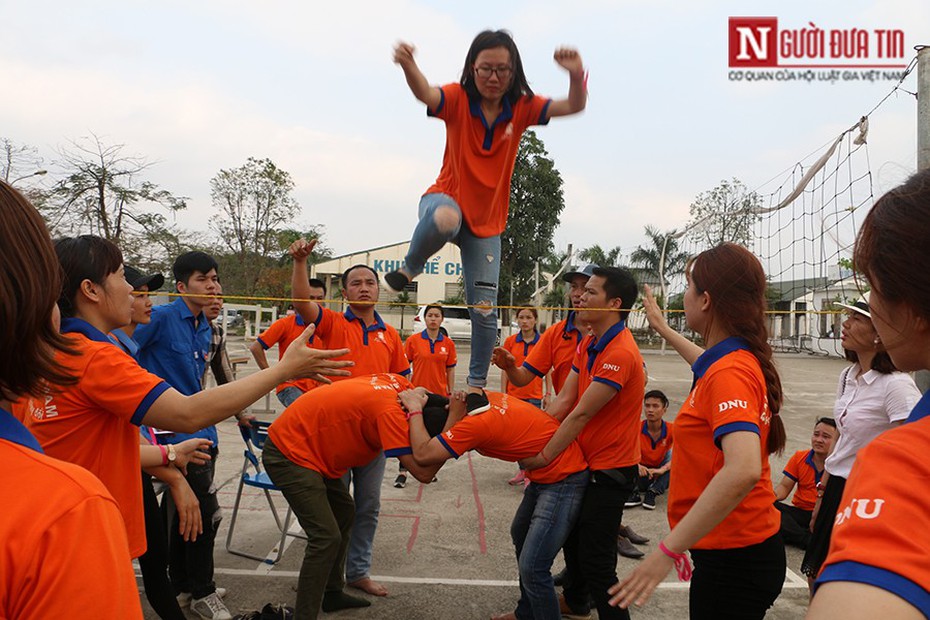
pixel 174 346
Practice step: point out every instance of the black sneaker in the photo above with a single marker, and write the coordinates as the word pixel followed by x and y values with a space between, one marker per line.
pixel 400 481
pixel 559 578
pixel 633 501
pixel 476 403
pixel 649 501
pixel 396 281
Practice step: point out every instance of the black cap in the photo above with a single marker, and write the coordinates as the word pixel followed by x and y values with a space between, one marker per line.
pixel 586 271
pixel 137 279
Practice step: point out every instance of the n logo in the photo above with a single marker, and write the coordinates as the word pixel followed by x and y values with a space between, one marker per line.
pixel 753 41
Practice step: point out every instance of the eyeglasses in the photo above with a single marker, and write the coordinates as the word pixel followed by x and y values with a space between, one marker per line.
pixel 484 72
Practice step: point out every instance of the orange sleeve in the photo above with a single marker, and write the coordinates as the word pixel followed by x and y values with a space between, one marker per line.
pixel 115 382
pixel 465 435
pixel 452 98
pixel 539 361
pixel 535 111
pixel 409 350
pixel 735 400
pixel 273 334
pixel 453 356
pixel 614 367
pixel 394 432
pixel 91 534
pixel 791 467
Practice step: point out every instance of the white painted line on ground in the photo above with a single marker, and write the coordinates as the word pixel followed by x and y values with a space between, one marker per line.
pixel 793 582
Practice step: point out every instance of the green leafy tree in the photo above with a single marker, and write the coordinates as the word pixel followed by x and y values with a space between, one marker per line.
pixel 254 206
pixel 536 202
pixel 102 191
pixel 599 256
pixel 724 213
pixel 649 257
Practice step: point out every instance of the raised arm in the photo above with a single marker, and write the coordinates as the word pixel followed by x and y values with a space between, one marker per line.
pixel 187 414
pixel 300 281
pixel 518 375
pixel 686 349
pixel 570 60
pixel 421 89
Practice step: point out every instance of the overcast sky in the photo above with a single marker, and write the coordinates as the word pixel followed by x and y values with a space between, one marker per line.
pixel 200 86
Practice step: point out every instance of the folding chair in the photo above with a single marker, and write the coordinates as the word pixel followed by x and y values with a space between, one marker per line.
pixel 254 476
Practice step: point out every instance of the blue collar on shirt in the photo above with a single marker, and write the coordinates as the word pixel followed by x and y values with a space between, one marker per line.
pixel 80 326
pixel 571 327
pixel 425 336
pixel 921 409
pixel 533 341
pixel 715 353
pixel 809 459
pixel 662 434
pixel 378 324
pixel 299 319
pixel 13 430
pixel 124 341
pixel 505 115
pixel 185 312
pixel 603 341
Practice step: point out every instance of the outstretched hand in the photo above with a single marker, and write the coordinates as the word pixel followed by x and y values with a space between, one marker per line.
pixel 503 359
pixel 301 361
pixel 654 314
pixel 195 450
pixel 403 54
pixel 639 585
pixel 569 59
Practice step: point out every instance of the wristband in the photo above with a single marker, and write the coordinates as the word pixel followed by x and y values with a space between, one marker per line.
pixel 682 563
pixel 164 454
pixel 410 414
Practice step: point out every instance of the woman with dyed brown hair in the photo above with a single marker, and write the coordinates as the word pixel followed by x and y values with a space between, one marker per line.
pixel 50 537
pixel 720 504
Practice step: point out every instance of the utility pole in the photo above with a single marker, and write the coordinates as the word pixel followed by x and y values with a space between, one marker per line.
pixel 922 377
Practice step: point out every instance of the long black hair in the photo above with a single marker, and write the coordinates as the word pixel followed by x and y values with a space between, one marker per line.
pixel 489 39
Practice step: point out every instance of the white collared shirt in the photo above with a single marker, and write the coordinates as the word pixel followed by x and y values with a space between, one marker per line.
pixel 866 406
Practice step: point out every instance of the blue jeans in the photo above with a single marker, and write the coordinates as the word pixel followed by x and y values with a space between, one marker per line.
pixel 657 485
pixel 366 489
pixel 481 265
pixel 288 395
pixel 542 523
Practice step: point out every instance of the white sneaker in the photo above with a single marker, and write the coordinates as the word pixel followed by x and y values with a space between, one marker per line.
pixel 210 607
pixel 184 598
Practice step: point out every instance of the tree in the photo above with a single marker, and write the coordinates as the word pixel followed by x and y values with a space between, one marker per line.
pixel 102 193
pixel 402 301
pixel 650 257
pixel 603 258
pixel 254 203
pixel 725 213
pixel 19 161
pixel 536 202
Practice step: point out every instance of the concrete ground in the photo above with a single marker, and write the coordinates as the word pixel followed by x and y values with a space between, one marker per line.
pixel 443 550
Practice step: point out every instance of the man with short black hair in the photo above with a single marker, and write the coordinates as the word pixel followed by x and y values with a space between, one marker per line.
pixel 656 447
pixel 599 405
pixel 175 346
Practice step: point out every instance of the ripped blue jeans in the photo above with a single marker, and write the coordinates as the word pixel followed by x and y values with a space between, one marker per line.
pixel 481 266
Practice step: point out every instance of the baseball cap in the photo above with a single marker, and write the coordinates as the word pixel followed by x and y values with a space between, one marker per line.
pixel 137 279
pixel 586 271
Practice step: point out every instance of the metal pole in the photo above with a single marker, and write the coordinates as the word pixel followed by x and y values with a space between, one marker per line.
pixel 922 377
pixel 662 284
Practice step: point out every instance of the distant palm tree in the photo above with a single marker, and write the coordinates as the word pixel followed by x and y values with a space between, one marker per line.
pixel 597 255
pixel 650 257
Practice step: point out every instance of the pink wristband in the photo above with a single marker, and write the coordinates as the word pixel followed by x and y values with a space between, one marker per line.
pixel 682 563
pixel 164 454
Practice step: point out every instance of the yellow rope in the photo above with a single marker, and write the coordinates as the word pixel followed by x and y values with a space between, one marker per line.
pixel 413 304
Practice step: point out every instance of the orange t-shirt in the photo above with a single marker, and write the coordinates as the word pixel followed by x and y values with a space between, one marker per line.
pixel 431 360
pixel 282 333
pixel 801 469
pixel 520 348
pixel 58 520
pixel 880 534
pixel 478 161
pixel 512 430
pixel 375 349
pixel 94 423
pixel 728 396
pixel 654 450
pixel 611 438
pixel 555 351
pixel 345 424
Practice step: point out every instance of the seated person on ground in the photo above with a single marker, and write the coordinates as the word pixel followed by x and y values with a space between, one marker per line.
pixel 656 447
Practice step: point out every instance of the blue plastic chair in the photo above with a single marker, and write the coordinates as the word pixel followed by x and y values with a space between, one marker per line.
pixel 254 476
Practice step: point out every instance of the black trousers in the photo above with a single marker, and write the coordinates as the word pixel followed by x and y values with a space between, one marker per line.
pixel 190 564
pixel 795 525
pixel 154 562
pixel 737 584
pixel 591 547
